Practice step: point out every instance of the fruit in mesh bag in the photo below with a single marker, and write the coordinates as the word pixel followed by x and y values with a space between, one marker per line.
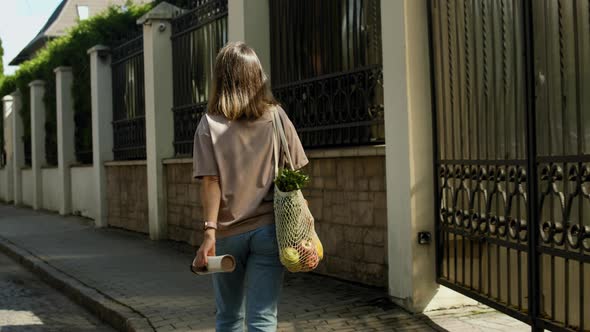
pixel 312 261
pixel 319 247
pixel 309 255
pixel 306 247
pixel 290 257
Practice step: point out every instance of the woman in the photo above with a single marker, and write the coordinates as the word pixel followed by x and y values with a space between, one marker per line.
pixel 233 155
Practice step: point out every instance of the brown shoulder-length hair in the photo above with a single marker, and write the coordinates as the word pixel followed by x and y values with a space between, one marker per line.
pixel 240 86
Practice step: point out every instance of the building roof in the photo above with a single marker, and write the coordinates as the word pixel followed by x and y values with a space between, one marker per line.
pixel 63 17
pixel 40 39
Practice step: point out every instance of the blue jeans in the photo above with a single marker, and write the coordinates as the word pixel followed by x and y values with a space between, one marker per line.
pixel 254 286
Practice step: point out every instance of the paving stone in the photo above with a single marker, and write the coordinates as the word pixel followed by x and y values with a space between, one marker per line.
pixel 28 304
pixel 153 278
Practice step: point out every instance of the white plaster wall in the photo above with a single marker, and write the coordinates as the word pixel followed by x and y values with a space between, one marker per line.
pixel 83 192
pixel 51 198
pixel 27 185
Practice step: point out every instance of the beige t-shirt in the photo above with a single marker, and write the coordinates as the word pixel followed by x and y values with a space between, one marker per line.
pixel 240 153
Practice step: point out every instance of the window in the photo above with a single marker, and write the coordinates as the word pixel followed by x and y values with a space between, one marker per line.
pixel 82 12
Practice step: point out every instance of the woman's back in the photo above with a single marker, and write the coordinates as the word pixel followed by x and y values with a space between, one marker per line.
pixel 233 155
pixel 240 153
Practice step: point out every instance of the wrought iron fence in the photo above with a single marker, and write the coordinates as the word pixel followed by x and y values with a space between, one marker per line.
pixel 513 156
pixel 326 69
pixel 128 100
pixel 339 109
pixel 51 143
pixel 197 36
pixel 2 157
pixel 83 137
pixel 27 150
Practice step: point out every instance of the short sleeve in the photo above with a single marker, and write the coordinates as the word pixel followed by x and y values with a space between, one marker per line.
pixel 295 146
pixel 204 163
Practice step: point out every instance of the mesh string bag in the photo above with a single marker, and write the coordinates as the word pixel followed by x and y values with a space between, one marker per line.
pixel 300 248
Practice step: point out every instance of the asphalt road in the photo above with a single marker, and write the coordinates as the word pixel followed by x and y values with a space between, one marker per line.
pixel 28 304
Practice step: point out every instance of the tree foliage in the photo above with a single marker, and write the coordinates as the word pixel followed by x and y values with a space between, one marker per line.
pixel 1 57
pixel 106 28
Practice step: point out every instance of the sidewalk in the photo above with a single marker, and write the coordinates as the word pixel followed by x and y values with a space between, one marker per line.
pixel 137 284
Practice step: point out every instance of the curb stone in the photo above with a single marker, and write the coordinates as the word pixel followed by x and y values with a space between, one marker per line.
pixel 119 316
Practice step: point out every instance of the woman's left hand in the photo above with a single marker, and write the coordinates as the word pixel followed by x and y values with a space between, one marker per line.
pixel 207 248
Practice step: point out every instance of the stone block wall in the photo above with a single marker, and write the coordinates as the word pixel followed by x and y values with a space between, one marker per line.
pixel 346 196
pixel 184 204
pixel 127 199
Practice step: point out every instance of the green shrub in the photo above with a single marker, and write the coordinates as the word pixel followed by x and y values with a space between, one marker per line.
pixel 70 50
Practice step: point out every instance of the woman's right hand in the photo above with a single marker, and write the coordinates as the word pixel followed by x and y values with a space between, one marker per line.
pixel 207 248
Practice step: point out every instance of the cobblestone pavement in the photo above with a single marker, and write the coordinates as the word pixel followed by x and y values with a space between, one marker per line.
pixel 475 318
pixel 28 304
pixel 153 278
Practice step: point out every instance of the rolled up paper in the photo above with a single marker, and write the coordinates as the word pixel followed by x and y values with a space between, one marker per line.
pixel 216 264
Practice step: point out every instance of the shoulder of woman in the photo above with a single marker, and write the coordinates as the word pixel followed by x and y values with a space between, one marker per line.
pixel 282 112
pixel 203 126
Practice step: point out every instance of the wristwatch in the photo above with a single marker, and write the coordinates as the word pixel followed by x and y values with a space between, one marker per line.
pixel 209 224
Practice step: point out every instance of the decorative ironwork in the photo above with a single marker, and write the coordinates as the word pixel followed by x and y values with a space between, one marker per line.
pixel 338 109
pixel 185 124
pixel 51 143
pixel 128 100
pixel 83 137
pixel 326 69
pixel 2 157
pixel 202 12
pixel 315 38
pixel 513 156
pixel 197 36
pixel 27 150
pixel 129 139
pixel 563 210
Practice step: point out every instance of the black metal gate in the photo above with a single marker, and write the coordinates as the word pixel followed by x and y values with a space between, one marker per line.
pixel 512 143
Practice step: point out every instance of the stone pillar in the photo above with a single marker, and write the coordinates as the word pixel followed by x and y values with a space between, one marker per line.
pixel 159 119
pixel 102 128
pixel 18 153
pixel 409 156
pixel 8 114
pixel 248 21
pixel 38 159
pixel 66 155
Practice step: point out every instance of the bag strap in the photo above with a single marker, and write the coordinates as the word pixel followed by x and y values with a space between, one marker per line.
pixel 279 135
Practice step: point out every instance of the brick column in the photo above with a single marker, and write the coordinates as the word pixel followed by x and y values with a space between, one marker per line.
pixel 102 128
pixel 38 159
pixel 159 119
pixel 8 114
pixel 248 21
pixel 65 136
pixel 18 159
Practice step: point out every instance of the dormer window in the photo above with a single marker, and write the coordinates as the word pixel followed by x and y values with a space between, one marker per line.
pixel 82 12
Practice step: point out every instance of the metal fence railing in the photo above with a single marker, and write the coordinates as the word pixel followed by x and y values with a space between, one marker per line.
pixel 2 157
pixel 27 150
pixel 197 36
pixel 51 142
pixel 128 100
pixel 326 69
pixel 83 137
